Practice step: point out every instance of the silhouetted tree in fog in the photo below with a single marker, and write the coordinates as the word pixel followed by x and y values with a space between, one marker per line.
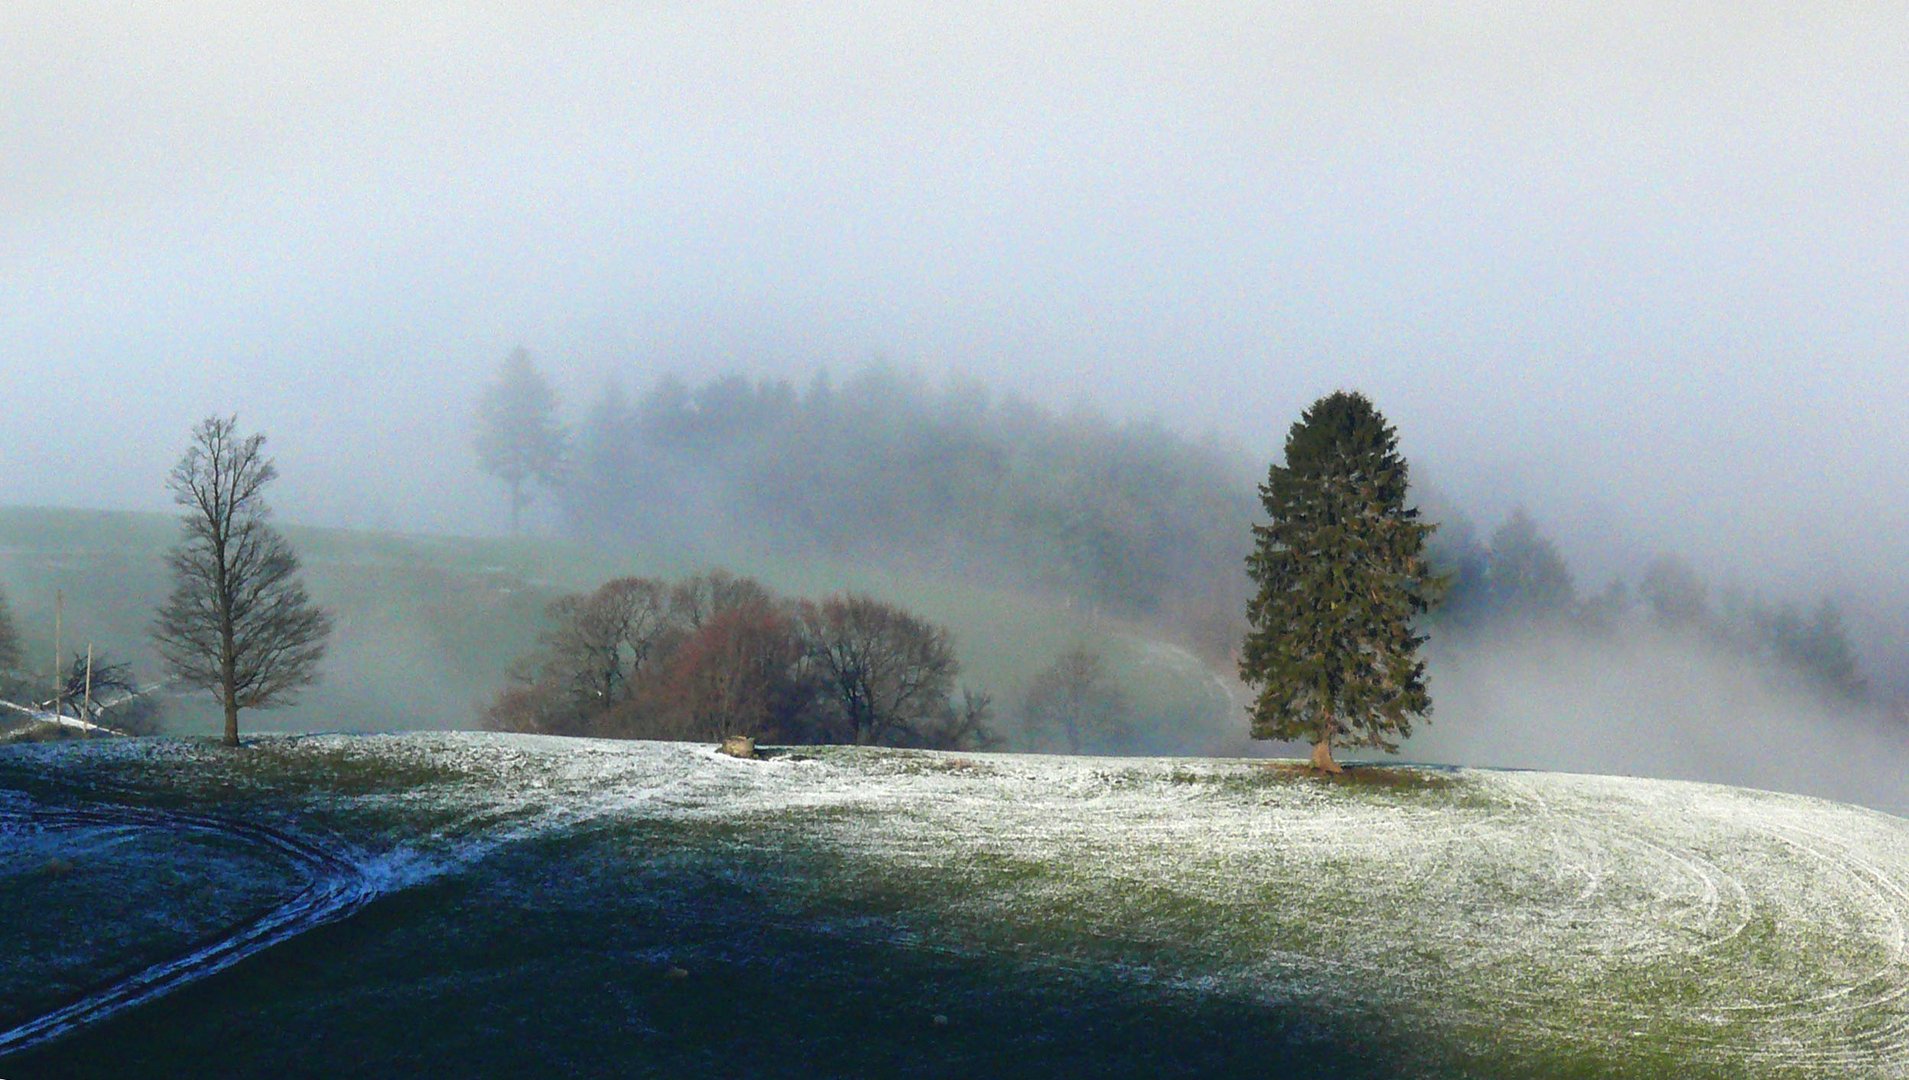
pixel 519 439
pixel 1462 562
pixel 1819 649
pixel 1074 698
pixel 238 621
pixel 1341 575
pixel 1607 611
pixel 966 723
pixel 609 482
pixel 1526 576
pixel 886 467
pixel 1677 597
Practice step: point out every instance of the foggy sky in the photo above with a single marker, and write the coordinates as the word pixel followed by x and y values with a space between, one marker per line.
pixel 1642 267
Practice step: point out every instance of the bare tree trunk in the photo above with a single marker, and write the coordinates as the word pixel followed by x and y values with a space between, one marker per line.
pixel 231 723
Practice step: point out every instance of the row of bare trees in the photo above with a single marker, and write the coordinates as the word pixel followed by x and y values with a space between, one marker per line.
pixel 717 655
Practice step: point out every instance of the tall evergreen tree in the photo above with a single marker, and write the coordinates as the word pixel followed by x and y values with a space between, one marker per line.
pixel 1341 574
pixel 518 437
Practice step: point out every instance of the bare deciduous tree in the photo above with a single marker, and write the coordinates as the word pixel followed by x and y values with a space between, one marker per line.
pixel 599 641
pixel 738 674
pixel 1074 698
pixel 238 621
pixel 106 693
pixel 599 646
pixel 887 673
pixel 696 601
pixel 720 655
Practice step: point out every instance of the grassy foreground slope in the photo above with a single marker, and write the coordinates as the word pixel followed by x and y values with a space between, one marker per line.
pixel 427 627
pixel 577 907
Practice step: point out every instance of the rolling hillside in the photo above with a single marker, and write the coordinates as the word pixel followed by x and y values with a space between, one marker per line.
pixel 478 905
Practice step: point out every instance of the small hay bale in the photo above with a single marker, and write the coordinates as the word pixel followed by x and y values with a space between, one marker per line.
pixel 738 746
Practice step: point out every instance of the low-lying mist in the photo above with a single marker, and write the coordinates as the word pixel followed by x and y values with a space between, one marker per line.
pixel 1645 701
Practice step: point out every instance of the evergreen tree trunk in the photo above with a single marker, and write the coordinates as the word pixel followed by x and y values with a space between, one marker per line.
pixel 1322 750
pixel 1322 757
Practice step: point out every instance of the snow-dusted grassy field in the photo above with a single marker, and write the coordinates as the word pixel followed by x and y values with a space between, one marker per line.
pixel 618 908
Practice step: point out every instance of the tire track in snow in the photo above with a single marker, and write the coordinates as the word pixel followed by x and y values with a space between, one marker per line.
pixel 1884 985
pixel 1720 908
pixel 338 884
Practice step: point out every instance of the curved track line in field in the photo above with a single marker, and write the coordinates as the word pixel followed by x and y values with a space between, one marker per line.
pixel 1602 883
pixel 1712 901
pixel 337 886
pixel 1882 986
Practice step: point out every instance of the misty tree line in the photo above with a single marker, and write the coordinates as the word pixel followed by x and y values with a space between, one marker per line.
pixel 716 655
pixel 883 466
pixel 1129 517
pixel 1518 578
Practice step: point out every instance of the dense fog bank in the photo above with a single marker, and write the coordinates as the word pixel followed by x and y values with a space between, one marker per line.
pixel 1642 701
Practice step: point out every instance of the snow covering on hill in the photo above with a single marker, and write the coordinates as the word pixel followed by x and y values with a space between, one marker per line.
pixel 1732 927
